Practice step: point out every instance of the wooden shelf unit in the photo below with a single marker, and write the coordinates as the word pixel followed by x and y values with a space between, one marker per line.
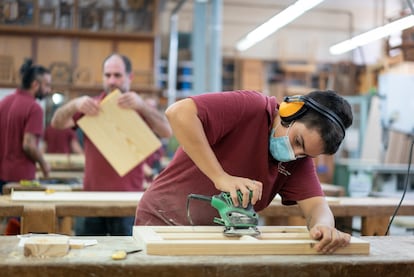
pixel 77 47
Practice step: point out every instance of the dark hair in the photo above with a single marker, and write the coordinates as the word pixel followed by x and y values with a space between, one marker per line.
pixel 30 73
pixel 331 133
pixel 125 59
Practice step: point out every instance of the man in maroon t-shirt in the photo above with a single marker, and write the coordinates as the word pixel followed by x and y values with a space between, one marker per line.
pixel 244 141
pixel 21 125
pixel 99 174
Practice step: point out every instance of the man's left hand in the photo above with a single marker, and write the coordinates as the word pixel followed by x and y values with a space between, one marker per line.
pixel 330 239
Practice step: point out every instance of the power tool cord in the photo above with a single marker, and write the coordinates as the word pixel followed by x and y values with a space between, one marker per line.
pixel 405 188
pixel 195 196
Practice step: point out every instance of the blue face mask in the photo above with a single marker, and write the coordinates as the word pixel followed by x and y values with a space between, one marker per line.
pixel 280 148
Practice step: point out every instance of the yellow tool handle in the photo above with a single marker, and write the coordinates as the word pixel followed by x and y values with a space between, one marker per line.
pixel 122 254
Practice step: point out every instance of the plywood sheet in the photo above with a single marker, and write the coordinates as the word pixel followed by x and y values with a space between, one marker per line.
pixel 209 240
pixel 121 135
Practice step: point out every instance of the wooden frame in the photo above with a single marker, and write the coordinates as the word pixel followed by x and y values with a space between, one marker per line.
pixel 209 240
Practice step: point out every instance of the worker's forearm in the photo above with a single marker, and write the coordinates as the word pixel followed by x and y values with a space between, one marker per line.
pixel 320 216
pixel 62 118
pixel 157 122
pixel 33 153
pixel 189 132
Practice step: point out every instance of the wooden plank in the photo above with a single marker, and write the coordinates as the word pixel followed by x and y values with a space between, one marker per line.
pixel 206 241
pixel 216 236
pixel 46 246
pixel 219 229
pixel 121 135
pixel 78 196
pixel 38 219
pixel 77 159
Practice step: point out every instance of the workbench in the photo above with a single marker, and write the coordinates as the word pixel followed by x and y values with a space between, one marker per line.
pixel 389 256
pixel 374 212
pixel 41 216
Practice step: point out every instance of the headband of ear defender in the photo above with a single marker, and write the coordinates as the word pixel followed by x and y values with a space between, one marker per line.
pixel 293 107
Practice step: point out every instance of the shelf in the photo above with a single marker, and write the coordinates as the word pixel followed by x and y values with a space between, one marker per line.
pixel 88 88
pixel 33 31
pixel 116 17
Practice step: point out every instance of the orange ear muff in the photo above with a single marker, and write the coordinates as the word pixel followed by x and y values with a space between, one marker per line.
pixel 288 109
pixel 294 107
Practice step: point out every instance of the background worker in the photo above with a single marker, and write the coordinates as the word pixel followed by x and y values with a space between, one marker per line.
pixel 243 140
pixel 61 141
pixel 99 174
pixel 21 125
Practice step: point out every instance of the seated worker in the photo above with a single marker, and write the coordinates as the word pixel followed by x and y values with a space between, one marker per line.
pixel 99 174
pixel 64 141
pixel 245 141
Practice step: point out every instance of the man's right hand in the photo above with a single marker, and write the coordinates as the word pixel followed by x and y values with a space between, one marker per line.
pixel 87 105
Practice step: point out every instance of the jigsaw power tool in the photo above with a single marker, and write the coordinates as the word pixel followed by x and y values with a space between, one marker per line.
pixel 238 221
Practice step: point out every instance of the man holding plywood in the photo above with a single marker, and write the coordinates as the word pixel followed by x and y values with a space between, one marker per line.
pixel 116 140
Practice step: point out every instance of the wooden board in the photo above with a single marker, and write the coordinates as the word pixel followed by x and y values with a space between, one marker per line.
pixel 209 240
pixel 77 196
pixel 121 135
pixel 72 162
pixel 46 246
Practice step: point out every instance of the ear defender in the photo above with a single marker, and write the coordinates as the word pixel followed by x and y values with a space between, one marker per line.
pixel 293 107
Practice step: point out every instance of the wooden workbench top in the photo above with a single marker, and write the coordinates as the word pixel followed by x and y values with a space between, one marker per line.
pixel 117 207
pixel 389 256
pixel 348 206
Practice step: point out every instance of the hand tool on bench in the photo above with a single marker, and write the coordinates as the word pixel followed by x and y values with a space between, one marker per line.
pixel 122 254
pixel 237 221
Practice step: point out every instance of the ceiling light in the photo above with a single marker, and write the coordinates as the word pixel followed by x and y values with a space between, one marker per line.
pixel 57 98
pixel 372 35
pixel 276 22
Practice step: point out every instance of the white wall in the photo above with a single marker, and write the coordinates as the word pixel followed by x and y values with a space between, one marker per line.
pixel 6 91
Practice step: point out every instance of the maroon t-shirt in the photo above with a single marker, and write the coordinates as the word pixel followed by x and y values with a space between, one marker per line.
pixel 59 140
pixel 237 125
pixel 19 114
pixel 99 175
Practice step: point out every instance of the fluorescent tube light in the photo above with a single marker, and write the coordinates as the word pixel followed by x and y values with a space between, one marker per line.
pixel 370 36
pixel 276 22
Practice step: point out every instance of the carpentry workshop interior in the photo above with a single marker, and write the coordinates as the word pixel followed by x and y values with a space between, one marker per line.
pixel 99 177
